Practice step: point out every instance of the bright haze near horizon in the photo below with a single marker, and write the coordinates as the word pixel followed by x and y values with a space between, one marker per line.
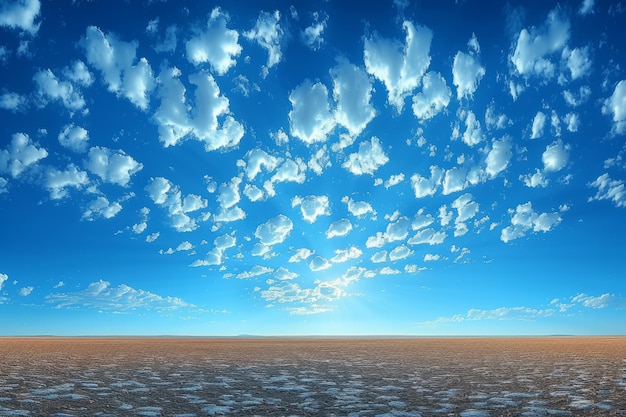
pixel 312 168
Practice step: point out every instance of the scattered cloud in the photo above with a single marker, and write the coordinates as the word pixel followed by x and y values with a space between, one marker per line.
pixel 268 33
pixel 312 206
pixel 555 157
pixel 310 118
pixel 525 219
pixel 609 189
pixel 274 231
pixel 168 195
pixel 467 70
pixel 74 138
pixel 112 166
pixel 313 35
pixel 368 159
pixel 434 97
pixel 538 124
pixel 339 228
pixel 57 181
pixel 21 154
pixel 21 14
pixel 616 106
pixel 26 291
pixel 352 90
pixel 358 209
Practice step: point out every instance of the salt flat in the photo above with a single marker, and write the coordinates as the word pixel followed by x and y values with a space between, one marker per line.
pixel 185 377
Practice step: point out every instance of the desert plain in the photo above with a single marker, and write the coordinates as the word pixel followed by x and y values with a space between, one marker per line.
pixel 188 377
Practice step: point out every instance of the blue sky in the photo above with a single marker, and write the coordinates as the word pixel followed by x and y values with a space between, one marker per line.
pixel 224 168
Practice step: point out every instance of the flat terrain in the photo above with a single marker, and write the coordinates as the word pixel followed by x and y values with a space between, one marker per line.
pixel 468 377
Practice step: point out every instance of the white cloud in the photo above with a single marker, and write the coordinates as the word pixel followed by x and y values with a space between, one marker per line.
pixel 12 101
pixel 421 220
pixel 434 97
pixel 310 118
pixel 344 255
pixel 379 257
pixel 101 207
pixel 466 208
pixel 319 263
pixel 268 33
pixel 454 180
pixel 164 193
pixel 228 193
pixel 57 181
pixel 376 241
pixel 555 156
pixel 260 249
pixel 524 219
pixel 259 159
pixel 400 252
pixel 274 231
pixel 534 46
pixel 429 236
pixel 368 159
pixel 74 138
pixel 288 171
pixel 79 74
pixel 423 186
pixel 217 45
pixel 445 216
pixel 578 61
pixel 394 180
pixel 319 160
pixel 25 291
pixel 586 7
pixel 616 105
pixel 609 189
pixel 467 71
pixel 387 270
pixel 253 193
pixel 429 257
pixel 312 206
pixel 102 296
pixel 398 66
pixel 575 100
pixel 20 14
pixel 397 229
pixel 352 90
pixel 312 35
pixel 573 122
pixel 20 154
pixel 601 301
pixel 498 157
pixel 116 60
pixel 283 274
pixel 301 254
pixel 473 134
pixel 139 228
pixel 538 125
pixel 501 313
pixel 494 120
pixel 111 166
pixel 358 208
pixel 3 279
pixel 176 122
pixel 51 88
pixel 255 272
pixel 152 237
pixel 534 180
pixel 339 228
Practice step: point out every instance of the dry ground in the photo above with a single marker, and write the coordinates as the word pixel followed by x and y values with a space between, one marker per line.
pixel 468 377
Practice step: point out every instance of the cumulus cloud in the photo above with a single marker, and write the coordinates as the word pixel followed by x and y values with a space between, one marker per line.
pixel 51 88
pixel 578 61
pixel 467 71
pixel 268 33
pixel 228 193
pixel 12 101
pixel 538 124
pixel 313 35
pixel 358 208
pixel 466 208
pixel 600 301
pixel 168 195
pixel 454 180
pixel 102 207
pixel 421 220
pixel 111 166
pixel 319 263
pixel 534 180
pixel 345 255
pixel 310 118
pixel 400 252
pixel 101 295
pixel 427 186
pixel 586 7
pixel 217 45
pixel 20 154
pixel 339 228
pixel 74 138
pixel 473 134
pixel 116 61
pixel 255 272
pixel 25 291
pixel 428 236
pixel 274 231
pixel 300 255
pixel 20 14
pixel 498 157
pixel 58 181
pixel 398 66
pixel 352 90
pixel 609 189
pixel 535 45
pixel 434 97
pixel 288 171
pixel 312 206
pixel 575 99
pixel 258 159
pixel 209 122
pixel 379 257
pixel 368 159
pixel 3 279
pixel 555 157
pixel 616 106
pixel 525 219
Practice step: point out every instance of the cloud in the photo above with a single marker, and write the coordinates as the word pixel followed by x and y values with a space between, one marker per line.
pixel 140 227
pixel 319 263
pixel 116 61
pixel 538 124
pixel 259 159
pixel 534 180
pixel 466 208
pixel 400 252
pixel 358 208
pixel 429 236
pixel 535 45
pixel 51 88
pixel 575 100
pixel 268 33
pixel 498 157
pixel 209 122
pixel 25 291
pixel 394 180
pixel 601 301
pixel 319 160
pixel 164 193
pixel 310 118
pixel 12 101
pixel 423 186
pixel 274 231
pixel 101 207
pixel 473 134
pixel 344 255
pixel 102 296
pixel 586 7
pixel 57 181
pixel 609 189
pixel 228 193
pixel 301 254
pixel 312 36
pixel 434 97
pixel 74 138
pixel 573 122
pixel 555 156
pixel 20 14
pixel 421 220
pixel 368 159
pixel 112 166
pixel 616 105
pixel 3 279
pixel 398 66
pixel 578 61
pixel 352 90
pixel 312 206
pixel 525 219
pixel 502 313
pixel 288 171
pixel 467 71
pixel 339 228
pixel 255 272
pixel 454 180
pixel 379 257
pixel 20 154
pixel 217 45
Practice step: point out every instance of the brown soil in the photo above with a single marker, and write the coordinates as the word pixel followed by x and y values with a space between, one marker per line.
pixel 313 376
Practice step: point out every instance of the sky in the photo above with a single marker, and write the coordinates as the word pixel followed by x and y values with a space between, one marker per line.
pixel 312 168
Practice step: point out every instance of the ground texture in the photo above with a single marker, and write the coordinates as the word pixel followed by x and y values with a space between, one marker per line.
pixel 468 377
